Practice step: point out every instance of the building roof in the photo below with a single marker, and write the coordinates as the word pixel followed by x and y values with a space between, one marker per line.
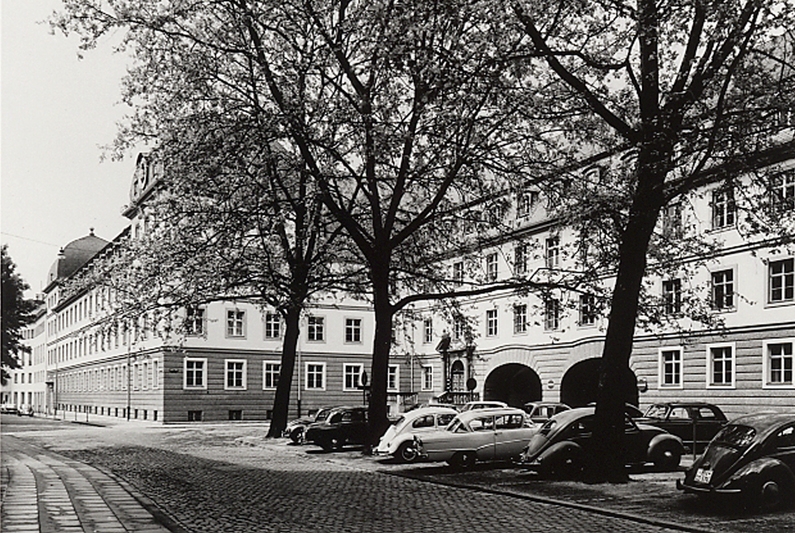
pixel 74 255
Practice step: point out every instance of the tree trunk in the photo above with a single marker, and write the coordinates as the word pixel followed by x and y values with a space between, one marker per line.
pixel 380 362
pixel 281 403
pixel 607 463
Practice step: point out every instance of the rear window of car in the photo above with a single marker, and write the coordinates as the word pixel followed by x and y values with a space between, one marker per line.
pixel 423 422
pixel 736 436
pixel 548 426
pixel 444 419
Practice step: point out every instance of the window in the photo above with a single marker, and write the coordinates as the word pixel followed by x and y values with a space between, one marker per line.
pixel 194 322
pixel 671 368
pixel 353 330
pixel 779 363
pixel 459 327
pixel 491 267
pixel 235 323
pixel 273 325
pixel 587 310
pixel 270 374
pixel 427 377
pixel 520 260
pixel 720 365
pixel 427 331
pixel 491 323
pixel 672 220
pixel 351 375
pixel 551 314
pixel 393 378
pixel 520 318
pixel 672 296
pixel 525 201
pixel 194 373
pixel 724 210
pixel 315 326
pixel 782 191
pixel 235 374
pixel 316 376
pixel 552 252
pixel 781 281
pixel 458 272
pixel 723 290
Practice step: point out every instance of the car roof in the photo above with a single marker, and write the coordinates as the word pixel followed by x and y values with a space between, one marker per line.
pixel 430 410
pixel 564 417
pixel 764 422
pixel 466 416
pixel 539 404
pixel 685 404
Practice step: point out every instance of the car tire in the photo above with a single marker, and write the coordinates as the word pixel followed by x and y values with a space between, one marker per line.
pixel 667 456
pixel 568 464
pixel 407 452
pixel 773 493
pixel 336 443
pixel 463 460
pixel 297 435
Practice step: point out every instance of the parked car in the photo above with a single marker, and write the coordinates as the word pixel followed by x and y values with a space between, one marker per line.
pixel 540 412
pixel 629 409
pixel 398 440
pixel 487 404
pixel 343 425
pixel 497 434
pixel 9 409
pixel 563 444
pixel 693 422
pixel 296 428
pixel 753 458
pixel 25 410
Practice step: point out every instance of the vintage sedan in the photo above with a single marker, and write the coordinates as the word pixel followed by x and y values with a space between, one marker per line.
pixel 497 434
pixel 398 440
pixel 693 422
pixel 296 428
pixel 482 404
pixel 540 412
pixel 343 425
pixel 563 444
pixel 753 458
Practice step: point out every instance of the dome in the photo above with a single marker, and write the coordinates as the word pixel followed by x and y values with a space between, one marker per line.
pixel 74 255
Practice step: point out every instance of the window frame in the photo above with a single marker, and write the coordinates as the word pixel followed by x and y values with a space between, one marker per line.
pixel 353 333
pixel 767 367
pixel 520 319
pixel 492 322
pixel 231 333
pixel 552 252
pixel 785 276
pixel 551 313
pixel 427 330
pixel 458 272
pixel 356 376
pixel 272 322
pixel 672 307
pixel 492 267
pixel 520 259
pixel 322 366
pixel 266 373
pixel 711 365
pixel 733 294
pixel 587 315
pixel 243 371
pixel 723 208
pixel 312 329
pixel 191 320
pixel 204 371
pixel 427 373
pixel 661 368
pixel 393 373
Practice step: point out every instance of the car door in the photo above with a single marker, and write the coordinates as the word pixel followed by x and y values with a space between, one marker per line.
pixel 678 421
pixel 635 441
pixel 481 439
pixel 784 446
pixel 511 435
pixel 708 423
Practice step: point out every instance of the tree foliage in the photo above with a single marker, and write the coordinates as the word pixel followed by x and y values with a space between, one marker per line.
pixel 18 312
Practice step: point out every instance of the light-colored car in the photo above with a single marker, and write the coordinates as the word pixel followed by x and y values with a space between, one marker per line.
pixel 497 434
pixel 487 404
pixel 398 440
pixel 540 412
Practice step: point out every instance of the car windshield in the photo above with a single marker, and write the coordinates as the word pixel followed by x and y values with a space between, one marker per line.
pixel 399 422
pixel 739 437
pixel 656 411
pixel 322 415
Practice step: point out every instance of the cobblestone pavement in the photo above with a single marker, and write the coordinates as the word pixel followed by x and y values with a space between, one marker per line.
pixel 221 478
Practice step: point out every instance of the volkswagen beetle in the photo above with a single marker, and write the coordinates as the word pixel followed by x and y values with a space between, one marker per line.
pixel 753 457
pixel 398 440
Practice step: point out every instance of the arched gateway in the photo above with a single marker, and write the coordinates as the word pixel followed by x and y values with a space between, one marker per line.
pixel 581 380
pixel 514 384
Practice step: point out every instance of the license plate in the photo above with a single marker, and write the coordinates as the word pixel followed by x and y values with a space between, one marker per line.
pixel 703 475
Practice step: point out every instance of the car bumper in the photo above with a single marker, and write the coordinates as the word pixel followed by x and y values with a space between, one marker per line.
pixel 701 489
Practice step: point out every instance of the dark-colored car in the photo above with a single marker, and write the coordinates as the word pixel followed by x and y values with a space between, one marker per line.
pixel 296 428
pixel 540 412
pixel 752 458
pixel 563 444
pixel 343 425
pixel 690 421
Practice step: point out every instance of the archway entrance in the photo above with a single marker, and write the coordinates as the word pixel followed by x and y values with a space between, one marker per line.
pixel 580 383
pixel 514 384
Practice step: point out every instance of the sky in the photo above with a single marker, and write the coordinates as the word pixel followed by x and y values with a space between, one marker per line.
pixel 56 113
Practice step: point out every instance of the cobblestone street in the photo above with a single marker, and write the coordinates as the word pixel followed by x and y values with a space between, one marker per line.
pixel 230 479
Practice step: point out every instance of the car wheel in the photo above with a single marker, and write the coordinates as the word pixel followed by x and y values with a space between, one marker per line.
pixel 297 435
pixel 667 456
pixel 773 493
pixel 336 443
pixel 407 452
pixel 567 464
pixel 463 459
